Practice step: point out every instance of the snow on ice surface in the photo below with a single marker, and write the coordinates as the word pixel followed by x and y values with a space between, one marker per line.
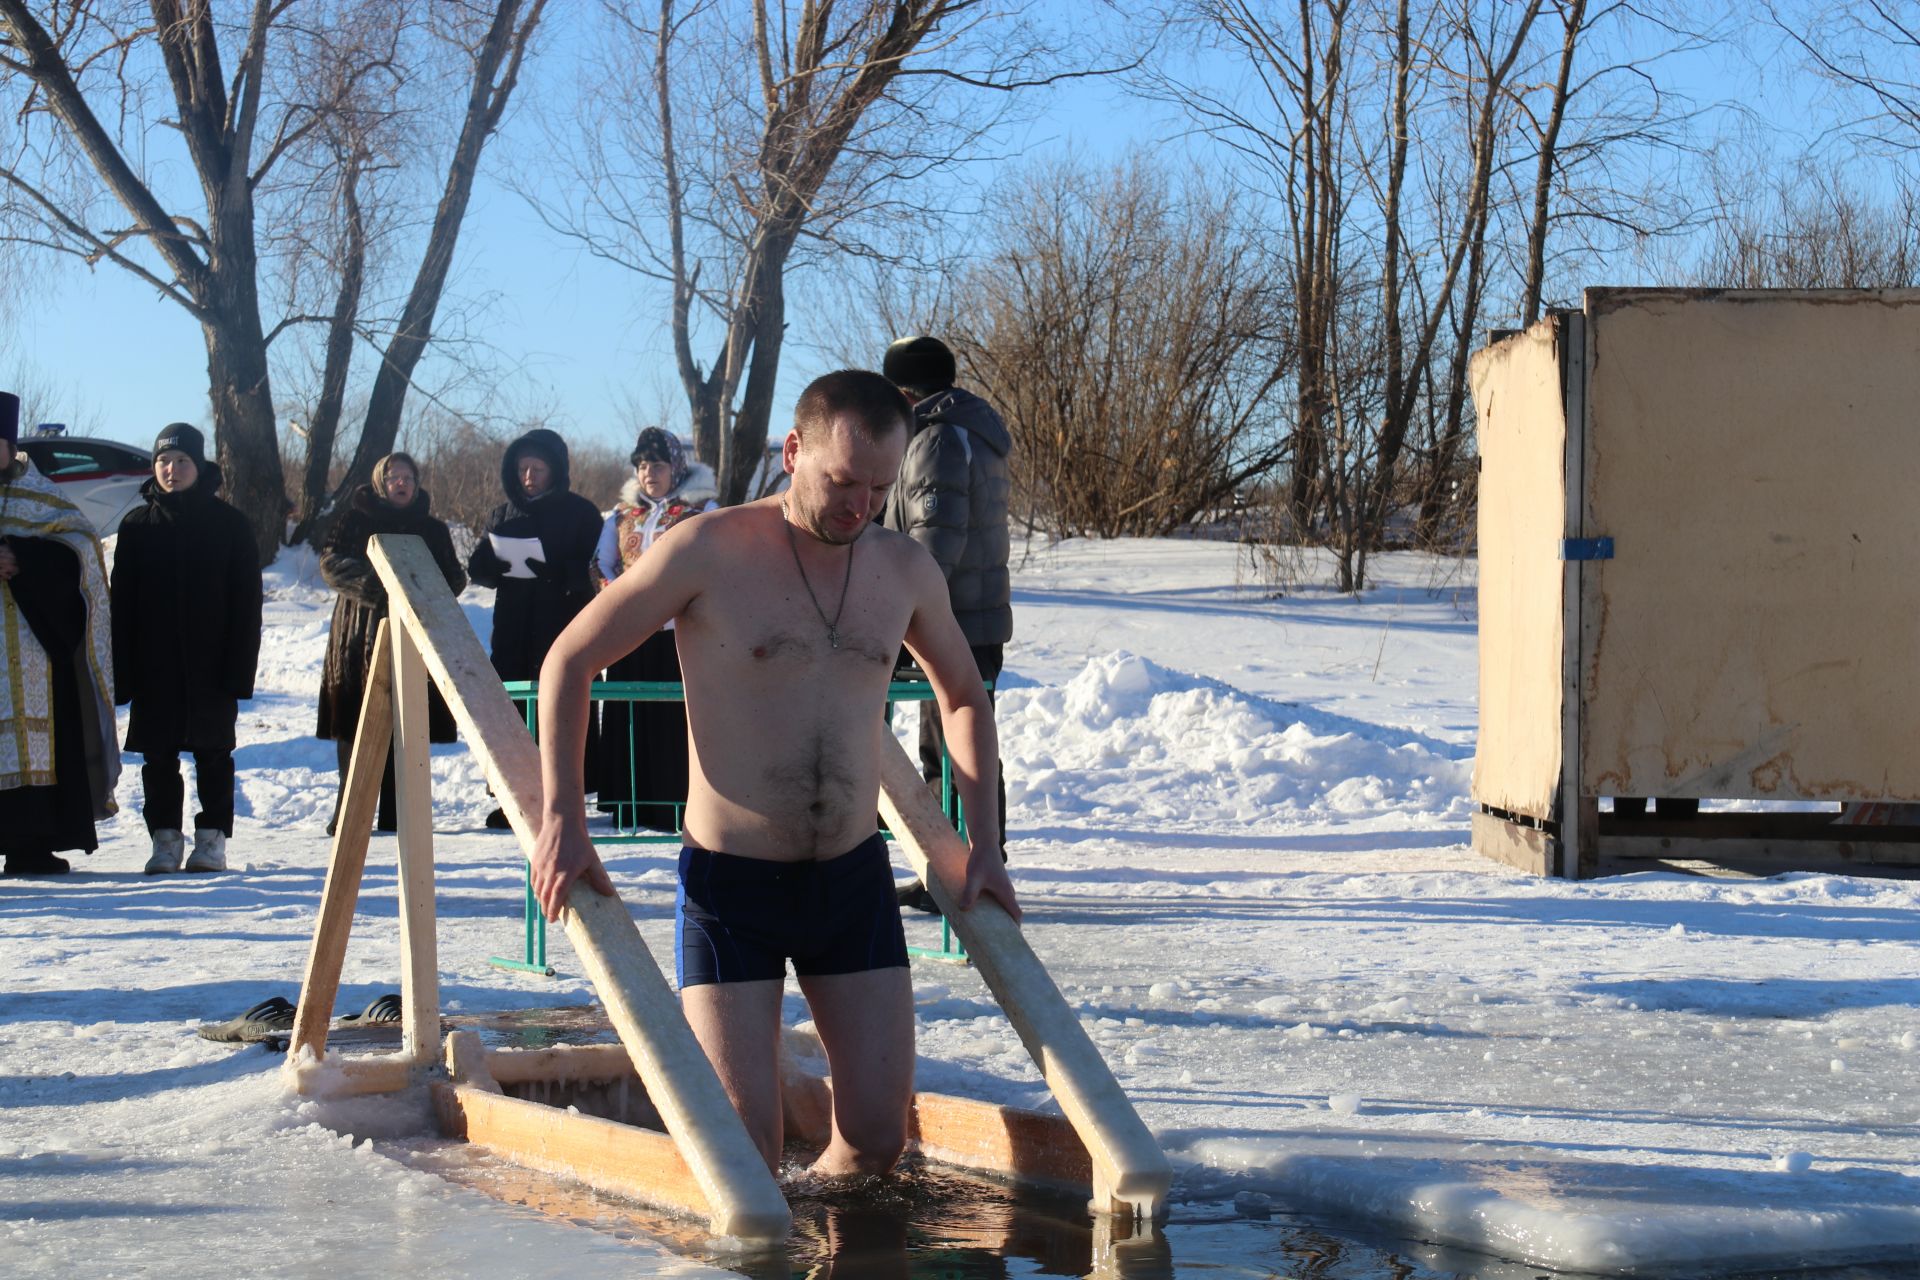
pixel 1319 996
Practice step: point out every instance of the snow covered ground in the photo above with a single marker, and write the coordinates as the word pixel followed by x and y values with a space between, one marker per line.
pixel 1239 829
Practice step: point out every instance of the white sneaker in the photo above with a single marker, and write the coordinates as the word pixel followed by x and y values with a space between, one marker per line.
pixel 168 848
pixel 209 850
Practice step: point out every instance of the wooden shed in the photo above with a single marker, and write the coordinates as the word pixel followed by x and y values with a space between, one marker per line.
pixel 1699 527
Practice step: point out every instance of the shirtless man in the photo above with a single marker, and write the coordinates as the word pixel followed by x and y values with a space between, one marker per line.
pixel 789 613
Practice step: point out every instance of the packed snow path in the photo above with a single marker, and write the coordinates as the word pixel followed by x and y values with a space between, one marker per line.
pixel 1239 831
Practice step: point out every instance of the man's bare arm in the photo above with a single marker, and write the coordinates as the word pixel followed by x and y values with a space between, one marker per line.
pixel 937 643
pixel 657 587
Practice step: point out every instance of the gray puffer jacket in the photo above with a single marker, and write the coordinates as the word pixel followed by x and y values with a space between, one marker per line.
pixel 952 499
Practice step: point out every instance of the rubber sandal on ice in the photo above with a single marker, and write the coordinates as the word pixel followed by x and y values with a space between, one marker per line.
pixel 385 1008
pixel 377 1024
pixel 270 1017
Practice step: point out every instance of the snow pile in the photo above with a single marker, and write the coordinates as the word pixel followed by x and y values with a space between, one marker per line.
pixel 1128 737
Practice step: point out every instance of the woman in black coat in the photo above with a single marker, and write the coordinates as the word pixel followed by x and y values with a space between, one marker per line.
pixel 186 639
pixel 393 503
pixel 534 551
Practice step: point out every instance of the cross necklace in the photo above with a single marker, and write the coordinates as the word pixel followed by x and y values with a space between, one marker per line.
pixel 833 628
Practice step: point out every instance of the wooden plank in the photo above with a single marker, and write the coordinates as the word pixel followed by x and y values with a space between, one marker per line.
pixel 736 1183
pixel 1587 852
pixel 467 1062
pixel 1768 856
pixel 1748 825
pixel 413 804
pixel 674 1068
pixel 1130 1172
pixel 418 599
pixel 572 1063
pixel 1528 849
pixel 339 1077
pixel 1007 1142
pixel 617 1158
pixel 347 861
pixel 1575 818
pixel 1521 406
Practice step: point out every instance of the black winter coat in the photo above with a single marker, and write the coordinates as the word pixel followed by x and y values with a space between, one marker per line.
pixel 363 602
pixel 185 598
pixel 952 499
pixel 530 613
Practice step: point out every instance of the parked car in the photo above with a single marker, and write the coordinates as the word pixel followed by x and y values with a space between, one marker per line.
pixel 102 477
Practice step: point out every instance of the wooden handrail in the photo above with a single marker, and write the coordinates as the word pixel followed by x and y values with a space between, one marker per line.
pixel 742 1196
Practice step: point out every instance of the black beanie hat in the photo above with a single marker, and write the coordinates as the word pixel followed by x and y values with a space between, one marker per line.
pixel 186 439
pixel 922 363
pixel 9 417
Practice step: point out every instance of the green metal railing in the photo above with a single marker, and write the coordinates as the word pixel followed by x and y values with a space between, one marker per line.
pixel 625 813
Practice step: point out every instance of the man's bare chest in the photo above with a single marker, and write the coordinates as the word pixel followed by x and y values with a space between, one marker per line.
pixel 770 619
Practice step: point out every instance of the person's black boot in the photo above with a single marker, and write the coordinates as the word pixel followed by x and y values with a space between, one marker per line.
pixel 914 894
pixel 42 862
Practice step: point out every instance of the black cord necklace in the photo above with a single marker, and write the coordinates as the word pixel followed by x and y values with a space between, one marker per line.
pixel 833 628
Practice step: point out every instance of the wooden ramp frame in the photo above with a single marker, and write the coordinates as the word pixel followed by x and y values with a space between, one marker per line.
pixel 708 1165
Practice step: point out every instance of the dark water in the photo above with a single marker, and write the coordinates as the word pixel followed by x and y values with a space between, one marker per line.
pixel 934 1224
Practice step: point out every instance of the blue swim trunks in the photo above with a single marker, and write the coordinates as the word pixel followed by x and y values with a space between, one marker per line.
pixel 741 919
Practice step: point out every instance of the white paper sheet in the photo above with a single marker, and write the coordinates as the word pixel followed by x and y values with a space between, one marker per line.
pixel 516 552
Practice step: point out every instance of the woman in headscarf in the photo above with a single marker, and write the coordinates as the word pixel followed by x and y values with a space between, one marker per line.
pixel 535 550
pixel 59 758
pixel 186 639
pixel 393 503
pixel 643 745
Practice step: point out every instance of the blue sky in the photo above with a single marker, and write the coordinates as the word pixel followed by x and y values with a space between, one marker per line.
pixel 590 336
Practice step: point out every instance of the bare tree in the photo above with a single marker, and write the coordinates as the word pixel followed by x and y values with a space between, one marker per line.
pixel 1296 137
pixel 1489 58
pixel 1870 51
pixel 1122 329
pixel 1352 228
pixel 730 145
pixel 1811 226
pixel 101 87
pixel 1424 158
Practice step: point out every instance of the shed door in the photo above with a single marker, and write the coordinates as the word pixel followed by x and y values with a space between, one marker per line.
pixel 1522 430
